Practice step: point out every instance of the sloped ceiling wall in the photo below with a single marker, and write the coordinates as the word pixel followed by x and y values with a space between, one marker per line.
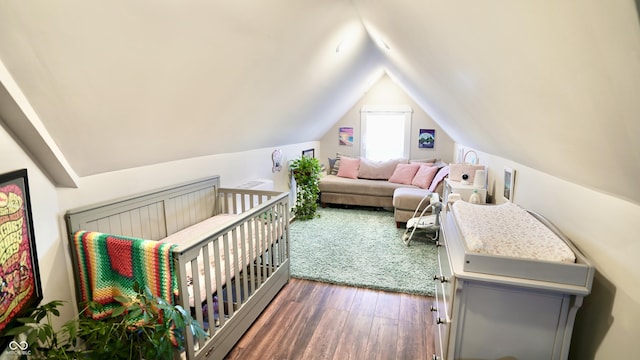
pixel 551 85
pixel 121 84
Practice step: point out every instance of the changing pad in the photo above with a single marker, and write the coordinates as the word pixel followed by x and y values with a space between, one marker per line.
pixel 508 230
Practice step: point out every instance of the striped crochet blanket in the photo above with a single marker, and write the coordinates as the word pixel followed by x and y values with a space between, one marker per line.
pixel 109 265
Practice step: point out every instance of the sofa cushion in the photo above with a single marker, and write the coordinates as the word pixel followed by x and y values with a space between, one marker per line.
pixel 336 184
pixel 409 198
pixel 378 170
pixel 348 167
pixel 423 161
pixel 404 173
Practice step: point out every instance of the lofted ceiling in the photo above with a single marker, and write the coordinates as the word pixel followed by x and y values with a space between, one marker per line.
pixel 122 84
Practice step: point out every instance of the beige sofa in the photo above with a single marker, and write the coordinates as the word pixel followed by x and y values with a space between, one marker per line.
pixel 375 186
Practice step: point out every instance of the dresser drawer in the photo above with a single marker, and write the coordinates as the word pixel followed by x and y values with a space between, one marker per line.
pixel 445 280
pixel 441 321
pixel 440 336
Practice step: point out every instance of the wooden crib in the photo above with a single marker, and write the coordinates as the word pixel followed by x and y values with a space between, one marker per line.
pixel 243 234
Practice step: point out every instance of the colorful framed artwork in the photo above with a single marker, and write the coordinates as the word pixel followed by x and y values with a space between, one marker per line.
pixel 427 139
pixel 509 182
pixel 20 287
pixel 345 136
pixel 309 153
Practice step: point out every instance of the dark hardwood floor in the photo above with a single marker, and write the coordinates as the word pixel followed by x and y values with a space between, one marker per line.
pixel 312 320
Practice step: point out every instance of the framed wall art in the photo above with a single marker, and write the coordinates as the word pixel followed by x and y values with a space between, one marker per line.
pixel 20 287
pixel 427 139
pixel 309 153
pixel 345 136
pixel 509 182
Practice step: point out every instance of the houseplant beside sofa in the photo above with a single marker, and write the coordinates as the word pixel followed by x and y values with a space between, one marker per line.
pixel 362 182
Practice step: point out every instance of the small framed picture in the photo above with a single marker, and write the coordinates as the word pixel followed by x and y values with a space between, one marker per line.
pixel 309 153
pixel 509 182
pixel 427 138
pixel 345 136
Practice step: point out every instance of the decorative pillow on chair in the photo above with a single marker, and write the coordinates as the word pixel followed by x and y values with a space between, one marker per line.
pixel 348 167
pixel 424 176
pixel 404 173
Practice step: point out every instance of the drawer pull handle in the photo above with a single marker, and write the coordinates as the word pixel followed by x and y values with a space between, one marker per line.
pixel 441 278
pixel 441 321
pixel 438 243
pixel 435 357
pixel 433 308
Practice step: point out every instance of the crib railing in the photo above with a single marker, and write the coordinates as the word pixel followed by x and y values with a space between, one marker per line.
pixel 258 243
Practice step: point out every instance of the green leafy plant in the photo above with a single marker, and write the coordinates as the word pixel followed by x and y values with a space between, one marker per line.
pixel 143 327
pixel 306 172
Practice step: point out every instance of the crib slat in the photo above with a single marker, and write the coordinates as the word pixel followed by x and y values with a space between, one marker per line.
pixel 237 265
pixel 234 203
pixel 271 227
pixel 244 205
pixel 183 300
pixel 196 294
pixel 195 273
pixel 279 232
pixel 208 291
pixel 258 250
pixel 252 255
pixel 265 251
pixel 244 259
pixel 227 270
pixel 285 233
pixel 218 271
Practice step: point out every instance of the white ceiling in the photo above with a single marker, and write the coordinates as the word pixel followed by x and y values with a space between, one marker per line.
pixel 121 84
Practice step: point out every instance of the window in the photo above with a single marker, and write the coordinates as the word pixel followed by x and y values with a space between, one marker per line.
pixel 385 132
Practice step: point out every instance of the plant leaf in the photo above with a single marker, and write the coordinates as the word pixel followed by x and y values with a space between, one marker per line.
pixel 18 330
pixel 122 299
pixel 118 311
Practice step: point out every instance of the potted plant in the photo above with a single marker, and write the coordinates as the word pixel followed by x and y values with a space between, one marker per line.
pixel 143 327
pixel 306 172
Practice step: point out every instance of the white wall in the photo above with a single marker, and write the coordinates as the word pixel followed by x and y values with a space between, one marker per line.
pixel 233 168
pixel 45 210
pixel 603 227
pixel 386 92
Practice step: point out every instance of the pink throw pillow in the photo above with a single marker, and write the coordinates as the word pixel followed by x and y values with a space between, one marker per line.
pixel 424 176
pixel 404 173
pixel 349 167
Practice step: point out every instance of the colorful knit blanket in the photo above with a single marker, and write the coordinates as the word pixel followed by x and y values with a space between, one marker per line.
pixel 109 265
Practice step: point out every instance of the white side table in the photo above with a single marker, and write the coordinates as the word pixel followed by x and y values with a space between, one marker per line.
pixel 465 190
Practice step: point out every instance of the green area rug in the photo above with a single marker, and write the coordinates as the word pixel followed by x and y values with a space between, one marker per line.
pixel 361 248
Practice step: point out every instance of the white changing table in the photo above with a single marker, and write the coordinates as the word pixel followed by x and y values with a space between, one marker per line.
pixel 491 307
